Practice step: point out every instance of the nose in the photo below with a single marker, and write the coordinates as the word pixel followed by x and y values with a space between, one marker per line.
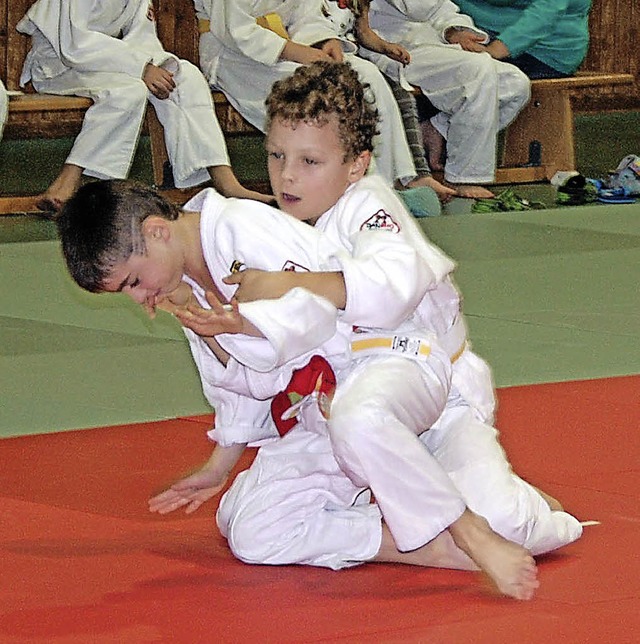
pixel 287 171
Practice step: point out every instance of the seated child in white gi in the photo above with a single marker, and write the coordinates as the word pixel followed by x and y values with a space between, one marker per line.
pixel 108 51
pixel 305 508
pixel 243 59
pixel 351 19
pixel 476 94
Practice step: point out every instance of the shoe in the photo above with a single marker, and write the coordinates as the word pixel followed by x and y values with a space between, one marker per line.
pixel 506 201
pixel 627 176
pixel 577 190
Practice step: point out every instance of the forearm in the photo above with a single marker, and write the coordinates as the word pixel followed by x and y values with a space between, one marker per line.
pixel 223 460
pixel 272 285
pixel 329 285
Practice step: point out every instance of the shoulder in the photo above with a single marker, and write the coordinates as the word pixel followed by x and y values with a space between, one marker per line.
pixel 370 204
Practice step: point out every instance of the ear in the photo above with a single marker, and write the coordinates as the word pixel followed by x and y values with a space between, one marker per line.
pixel 156 228
pixel 359 166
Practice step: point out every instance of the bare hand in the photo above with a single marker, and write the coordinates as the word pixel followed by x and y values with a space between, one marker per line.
pixel 158 80
pixel 302 54
pixel 398 53
pixel 254 284
pixel 191 491
pixel 468 40
pixel 220 318
pixel 333 49
pixel 498 50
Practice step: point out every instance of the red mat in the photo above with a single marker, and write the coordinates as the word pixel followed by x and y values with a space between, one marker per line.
pixel 83 561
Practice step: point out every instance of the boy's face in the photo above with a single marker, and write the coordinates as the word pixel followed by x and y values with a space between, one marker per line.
pixel 148 278
pixel 307 170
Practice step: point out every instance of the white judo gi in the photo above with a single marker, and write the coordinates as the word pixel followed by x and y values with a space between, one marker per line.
pixel 476 94
pixel 99 49
pixel 306 494
pixel 243 60
pixel 4 107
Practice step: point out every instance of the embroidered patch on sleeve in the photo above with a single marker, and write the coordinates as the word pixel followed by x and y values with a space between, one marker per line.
pixel 237 266
pixel 151 14
pixel 381 221
pixel 290 265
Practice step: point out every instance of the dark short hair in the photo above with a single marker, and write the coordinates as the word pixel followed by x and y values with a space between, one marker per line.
pixel 314 93
pixel 101 225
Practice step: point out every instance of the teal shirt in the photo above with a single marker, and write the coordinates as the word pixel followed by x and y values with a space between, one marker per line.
pixel 553 31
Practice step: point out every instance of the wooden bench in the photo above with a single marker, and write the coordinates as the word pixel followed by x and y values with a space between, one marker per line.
pixel 541 139
pixel 537 144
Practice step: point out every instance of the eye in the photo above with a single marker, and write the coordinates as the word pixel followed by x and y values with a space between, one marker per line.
pixel 276 155
pixel 310 161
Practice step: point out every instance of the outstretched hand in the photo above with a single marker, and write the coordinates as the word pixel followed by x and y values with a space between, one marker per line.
pixel 192 492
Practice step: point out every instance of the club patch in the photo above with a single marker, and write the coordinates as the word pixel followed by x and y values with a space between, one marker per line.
pixel 292 266
pixel 151 13
pixel 381 221
pixel 237 266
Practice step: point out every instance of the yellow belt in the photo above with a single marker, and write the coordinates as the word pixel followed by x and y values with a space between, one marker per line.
pixel 400 344
pixel 271 21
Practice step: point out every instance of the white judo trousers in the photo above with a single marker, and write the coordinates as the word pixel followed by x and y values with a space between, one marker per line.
pixel 242 59
pixel 477 95
pixel 91 57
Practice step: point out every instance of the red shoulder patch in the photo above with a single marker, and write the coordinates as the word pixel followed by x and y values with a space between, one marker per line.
pixel 381 221
pixel 151 13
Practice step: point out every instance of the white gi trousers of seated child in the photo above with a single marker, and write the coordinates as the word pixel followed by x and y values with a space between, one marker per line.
pixel 476 94
pixel 78 49
pixel 242 59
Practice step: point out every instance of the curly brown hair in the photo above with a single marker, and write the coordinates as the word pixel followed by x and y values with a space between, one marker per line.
pixel 314 93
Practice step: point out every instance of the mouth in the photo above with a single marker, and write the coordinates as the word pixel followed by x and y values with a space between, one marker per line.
pixel 289 199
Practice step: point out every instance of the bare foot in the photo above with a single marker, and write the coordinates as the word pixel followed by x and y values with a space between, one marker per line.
pixel 445 193
pixel 61 190
pixel 440 552
pixel 509 566
pixel 256 196
pixel 434 145
pixel 227 184
pixel 472 192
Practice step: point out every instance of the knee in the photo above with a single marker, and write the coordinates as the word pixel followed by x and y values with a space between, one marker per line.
pixel 190 79
pixel 244 542
pixel 129 96
pixel 519 85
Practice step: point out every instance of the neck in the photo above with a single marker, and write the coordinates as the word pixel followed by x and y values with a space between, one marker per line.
pixel 195 266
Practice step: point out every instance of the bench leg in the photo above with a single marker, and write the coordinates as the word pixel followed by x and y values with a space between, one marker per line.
pixel 159 156
pixel 547 120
